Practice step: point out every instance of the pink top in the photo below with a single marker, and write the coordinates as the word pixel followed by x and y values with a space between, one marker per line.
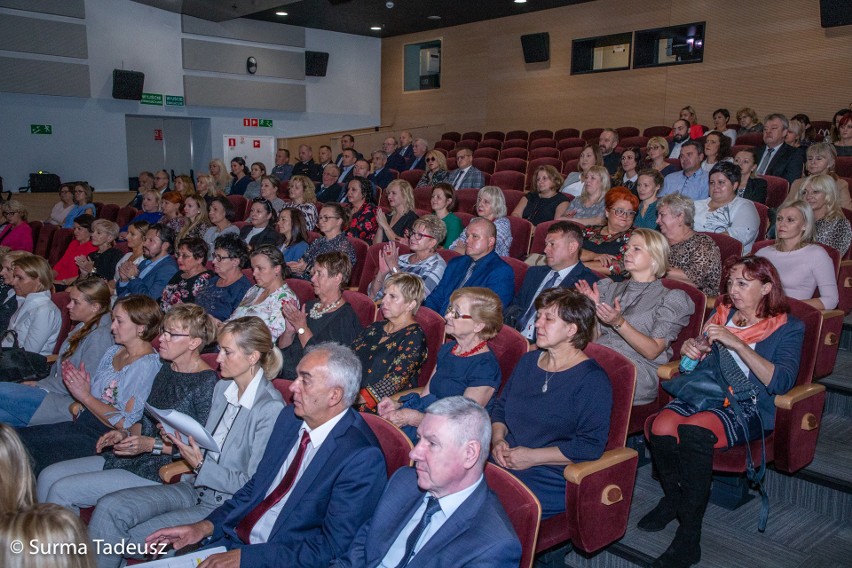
pixel 19 237
pixel 804 271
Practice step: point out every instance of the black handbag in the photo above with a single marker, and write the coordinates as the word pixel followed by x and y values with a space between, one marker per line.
pixel 17 364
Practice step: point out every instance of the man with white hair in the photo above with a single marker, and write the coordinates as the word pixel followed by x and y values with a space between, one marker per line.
pixel 441 512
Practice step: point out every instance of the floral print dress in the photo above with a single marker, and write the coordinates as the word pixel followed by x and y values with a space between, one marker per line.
pixel 181 290
pixel 269 310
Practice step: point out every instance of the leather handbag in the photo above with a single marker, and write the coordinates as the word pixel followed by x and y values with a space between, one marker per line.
pixel 17 364
pixel 712 383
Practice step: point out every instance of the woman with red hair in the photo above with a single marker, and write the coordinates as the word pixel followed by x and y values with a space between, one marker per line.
pixel 755 335
pixel 604 245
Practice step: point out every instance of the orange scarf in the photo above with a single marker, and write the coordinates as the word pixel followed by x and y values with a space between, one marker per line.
pixel 754 334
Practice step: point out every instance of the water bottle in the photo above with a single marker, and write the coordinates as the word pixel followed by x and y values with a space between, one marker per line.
pixel 688 364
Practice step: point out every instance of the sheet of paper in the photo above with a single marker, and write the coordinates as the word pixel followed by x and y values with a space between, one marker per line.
pixel 187 561
pixel 174 421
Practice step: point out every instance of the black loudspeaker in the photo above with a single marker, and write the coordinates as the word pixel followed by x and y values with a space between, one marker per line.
pixel 316 63
pixel 44 183
pixel 835 13
pixel 127 84
pixel 536 47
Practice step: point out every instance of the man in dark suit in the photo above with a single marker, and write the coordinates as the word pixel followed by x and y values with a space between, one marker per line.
pixel 417 161
pixel 381 175
pixel 152 274
pixel 306 165
pixel 314 487
pixel 776 157
pixel 440 513
pixel 395 160
pixel 329 190
pixel 466 175
pixel 347 142
pixel 479 266
pixel 347 167
pixel 562 248
pixel 325 156
pixel 607 143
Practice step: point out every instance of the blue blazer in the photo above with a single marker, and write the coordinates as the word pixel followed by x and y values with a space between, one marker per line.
pixel 153 283
pixel 334 497
pixel 532 280
pixel 491 272
pixel 477 534
pixel 382 177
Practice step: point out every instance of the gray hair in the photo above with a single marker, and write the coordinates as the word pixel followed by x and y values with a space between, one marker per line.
pixel 777 116
pixel 434 225
pixel 344 369
pixel 469 420
pixel 498 199
pixel 108 227
pixel 679 205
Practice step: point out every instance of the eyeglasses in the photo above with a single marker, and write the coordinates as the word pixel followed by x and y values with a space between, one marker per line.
pixel 451 311
pixel 624 212
pixel 326 218
pixel 430 159
pixel 168 335
pixel 421 236
pixel 218 258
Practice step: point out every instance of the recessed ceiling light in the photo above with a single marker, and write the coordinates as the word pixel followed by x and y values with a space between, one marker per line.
pixel 376 28
pixel 433 17
pixel 520 1
pixel 280 13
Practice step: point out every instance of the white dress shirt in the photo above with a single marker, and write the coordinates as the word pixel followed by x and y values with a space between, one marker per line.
pixel 235 403
pixel 529 330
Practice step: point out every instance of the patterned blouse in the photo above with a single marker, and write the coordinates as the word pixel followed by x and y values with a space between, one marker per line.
pixel 363 224
pixel 430 179
pixel 181 290
pixel 197 232
pixel 308 209
pixel 430 270
pixel 117 388
pixel 584 212
pixel 835 233
pixel 269 310
pixel 322 245
pixel 392 366
pixel 615 245
pixel 177 223
pixel 700 258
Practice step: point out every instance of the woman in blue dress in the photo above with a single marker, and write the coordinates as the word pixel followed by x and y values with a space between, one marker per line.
pixel 555 408
pixel 465 366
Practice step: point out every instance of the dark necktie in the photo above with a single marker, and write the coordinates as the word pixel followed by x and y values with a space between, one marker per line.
pixel 531 310
pixel 144 264
pixel 245 526
pixel 468 274
pixel 764 164
pixel 432 507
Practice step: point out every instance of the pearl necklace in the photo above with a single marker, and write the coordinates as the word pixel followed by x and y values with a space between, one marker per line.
pixel 317 312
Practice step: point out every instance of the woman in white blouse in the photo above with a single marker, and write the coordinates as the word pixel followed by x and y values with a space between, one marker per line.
pixel 724 212
pixel 37 319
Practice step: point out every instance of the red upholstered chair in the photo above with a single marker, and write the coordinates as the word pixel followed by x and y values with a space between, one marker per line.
pixel 210 360
pixel 635 141
pixel 728 246
pixel 303 289
pixel 544 152
pixel 627 132
pixel 494 135
pixel 98 206
pixel 533 165
pixel 411 176
pixel 395 444
pixel 572 153
pixel 451 155
pixel 452 163
pixel 361 248
pixel 364 307
pixel 591 134
pixel 61 239
pixel 522 231
pixel 515 143
pixel 109 211
pixel 35 228
pixel 445 145
pixel 125 215
pixel 599 492
pixel 570 166
pixel 519 267
pixel 517 135
pixel 508 346
pixel 575 142
pixel 454 136
pixel 564 133
pixel 444 151
pixel 656 131
pixel 283 386
pixel 473 135
pixel 371 264
pixel 490 143
pixel 448 254
pixel 464 217
pixel 312 236
pixel 520 153
pixel 512 197
pixel 521 506
pixel 249 273
pixel 542 143
pixel 540 134
pixel 509 179
pixel 485 165
pixel 240 204
pixel 750 139
pixel 61 299
pixel 776 191
pixel 737 148
pixel 470 144
pixel 487 152
pixel 466 200
pixel 423 197
pixel 539 235
pixel 843 166
pixel 763 213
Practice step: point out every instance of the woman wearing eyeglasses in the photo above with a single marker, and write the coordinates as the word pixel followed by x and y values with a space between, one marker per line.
pixel 604 245
pixel 657 152
pixel 424 260
pixel 228 285
pixel 66 203
pixel 401 201
pixel 331 222
pixel 83 197
pixel 192 278
pixel 17 234
pixel 392 350
pixel 436 170
pixel 260 229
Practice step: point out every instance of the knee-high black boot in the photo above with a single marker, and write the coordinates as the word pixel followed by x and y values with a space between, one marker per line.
pixel 695 453
pixel 664 452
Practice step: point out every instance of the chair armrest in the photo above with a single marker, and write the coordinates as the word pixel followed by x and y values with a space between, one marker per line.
pixel 170 473
pixel 400 394
pixel 75 408
pixel 51 359
pixel 667 371
pixel 797 394
pixel 575 472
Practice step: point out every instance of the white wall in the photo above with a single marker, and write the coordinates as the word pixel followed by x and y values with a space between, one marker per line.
pixel 89 139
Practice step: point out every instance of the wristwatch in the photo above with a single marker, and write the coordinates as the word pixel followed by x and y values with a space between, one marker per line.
pixel 197 468
pixel 395 270
pixel 301 331
pixel 158 447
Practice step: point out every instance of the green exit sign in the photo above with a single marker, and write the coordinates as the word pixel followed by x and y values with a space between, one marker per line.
pixel 155 99
pixel 41 129
pixel 174 100
pixel 264 123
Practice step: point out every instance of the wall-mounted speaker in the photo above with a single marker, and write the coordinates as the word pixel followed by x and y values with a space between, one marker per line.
pixel 316 63
pixel 835 13
pixel 127 84
pixel 536 47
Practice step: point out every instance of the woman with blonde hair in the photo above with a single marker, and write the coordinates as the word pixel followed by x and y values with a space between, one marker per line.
pixel 59 536
pixel 832 226
pixel 104 260
pixel 195 211
pixel 47 401
pixel 657 150
pixel 205 187
pixel 184 185
pixel 688 114
pixel 37 319
pixel 18 490
pixel 303 197
pixel 401 201
pixel 821 160
pixel 436 169
pixel 590 156
pixel 221 176
pixel 749 122
pixel 588 208
pixel 17 234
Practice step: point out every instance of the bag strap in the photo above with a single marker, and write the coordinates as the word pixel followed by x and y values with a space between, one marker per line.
pixel 14 337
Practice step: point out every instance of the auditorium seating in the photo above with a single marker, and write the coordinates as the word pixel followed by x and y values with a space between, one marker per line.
pixel 564 133
pixel 544 152
pixel 776 191
pixel 509 179
pixel 394 443
pixel 521 506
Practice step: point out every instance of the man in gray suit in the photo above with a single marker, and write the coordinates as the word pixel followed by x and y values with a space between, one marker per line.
pixel 466 175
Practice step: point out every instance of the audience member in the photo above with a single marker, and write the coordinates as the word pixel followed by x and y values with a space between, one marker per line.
pixel 544 202
pixel 606 143
pixel 329 190
pixel 195 210
pixel 282 170
pixel 442 202
pixel 221 214
pixel 657 149
pixel 832 227
pixel 417 160
pixel 466 175
pixel 330 223
pixel 395 160
pixel 269 191
pixel 588 207
pixel 401 202
pixel 751 187
pixel 184 185
pixel 206 188
pixel 260 229
pixel 14 465
pixel 363 224
pixel 696 131
pixel 8 297
pixel 303 197
pixel 135 241
pixel 748 121
pixel 150 211
pixel 628 169
pixel 294 234
pixel 171 204
pixel 192 276
pixel 229 285
pixel 721 117
pixel 103 261
pixel 161 181
pixel 17 233
pixel 724 211
pixel 151 275
pixel 240 178
pixel 382 174
pixel 775 157
pixel 648 186
pixel 220 175
pixel 717 148
pixel 83 197
pixel 821 159
pixel 346 163
pixel 491 205
pixel 843 141
pixel 64 206
pixel 306 165
pixel 325 157
pixel 691 181
pixel 66 270
pixel 604 245
pixel 347 142
pixel 590 156
pixel 436 170
pixel 680 135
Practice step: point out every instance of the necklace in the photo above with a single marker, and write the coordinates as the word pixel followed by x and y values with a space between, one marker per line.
pixel 547 377
pixel 476 348
pixel 317 312
pixel 741 320
pixel 550 374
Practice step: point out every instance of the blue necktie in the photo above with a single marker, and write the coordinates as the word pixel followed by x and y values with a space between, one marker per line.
pixel 531 310
pixel 432 507
pixel 144 264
